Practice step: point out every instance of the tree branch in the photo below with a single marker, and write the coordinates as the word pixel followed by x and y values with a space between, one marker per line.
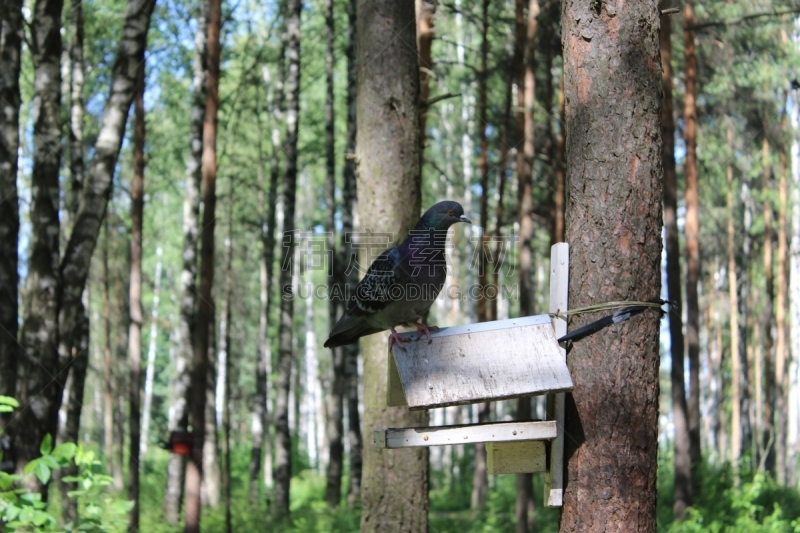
pixel 744 18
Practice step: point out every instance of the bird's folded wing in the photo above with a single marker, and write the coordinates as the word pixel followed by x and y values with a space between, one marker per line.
pixel 380 285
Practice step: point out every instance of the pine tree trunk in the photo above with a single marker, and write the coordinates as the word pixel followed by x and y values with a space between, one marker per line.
pixel 349 257
pixel 10 50
pixel 151 357
pixel 613 216
pixel 205 312
pixel 682 491
pixel 135 301
pixel 122 270
pixel 179 381
pixel 394 482
pixel 283 440
pixel 692 233
pixel 38 393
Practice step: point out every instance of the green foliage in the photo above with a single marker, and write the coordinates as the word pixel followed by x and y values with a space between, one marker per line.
pixel 757 505
pixel 99 512
pixel 7 404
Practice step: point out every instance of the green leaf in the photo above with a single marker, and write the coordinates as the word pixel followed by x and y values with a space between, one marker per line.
pixel 65 450
pixel 8 400
pixel 43 472
pixel 26 515
pixel 30 466
pixel 47 445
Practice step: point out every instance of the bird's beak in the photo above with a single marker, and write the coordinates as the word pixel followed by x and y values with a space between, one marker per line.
pixel 465 219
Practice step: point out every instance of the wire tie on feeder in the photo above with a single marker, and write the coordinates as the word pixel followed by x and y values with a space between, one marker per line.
pixel 625 311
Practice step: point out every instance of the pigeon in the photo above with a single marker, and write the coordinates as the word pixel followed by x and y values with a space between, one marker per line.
pixel 402 283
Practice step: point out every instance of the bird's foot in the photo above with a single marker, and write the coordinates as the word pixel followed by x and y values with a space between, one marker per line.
pixel 394 340
pixel 422 328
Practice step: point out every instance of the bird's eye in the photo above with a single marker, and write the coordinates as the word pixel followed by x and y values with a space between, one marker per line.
pixel 450 212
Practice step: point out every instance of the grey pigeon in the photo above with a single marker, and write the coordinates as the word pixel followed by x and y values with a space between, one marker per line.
pixel 402 283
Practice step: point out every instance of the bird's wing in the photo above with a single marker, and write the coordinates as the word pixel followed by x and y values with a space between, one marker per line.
pixel 374 292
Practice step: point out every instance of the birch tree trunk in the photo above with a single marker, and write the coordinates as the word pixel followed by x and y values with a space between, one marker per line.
pixel 10 50
pixel 395 482
pixel 151 357
pixel 38 393
pixel 179 382
pixel 283 441
pixel 682 491
pixel 205 310
pixel 613 103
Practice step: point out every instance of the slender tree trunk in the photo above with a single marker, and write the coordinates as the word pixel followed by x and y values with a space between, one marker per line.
pixel 77 106
pixel 283 441
pixel 682 492
pixel 334 426
pixel 122 270
pixel 349 258
pixel 768 399
pixel 225 364
pixel 395 482
pixel 179 382
pixel 793 379
pixel 109 374
pixel 210 491
pixel 151 356
pixel 74 407
pixel 614 174
pixel 425 10
pixel 781 419
pixel 736 436
pixel 479 478
pixel 483 170
pixel 10 50
pixel 692 233
pixel 205 311
pixel 135 333
pixel 525 157
pixel 39 394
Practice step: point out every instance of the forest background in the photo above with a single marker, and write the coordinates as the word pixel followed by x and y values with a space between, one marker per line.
pixel 492 138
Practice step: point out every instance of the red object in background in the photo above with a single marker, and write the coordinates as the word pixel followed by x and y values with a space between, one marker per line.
pixel 180 442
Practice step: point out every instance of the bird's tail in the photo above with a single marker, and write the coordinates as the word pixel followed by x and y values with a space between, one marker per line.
pixel 348 330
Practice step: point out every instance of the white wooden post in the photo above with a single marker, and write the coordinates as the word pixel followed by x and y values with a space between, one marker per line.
pixel 559 292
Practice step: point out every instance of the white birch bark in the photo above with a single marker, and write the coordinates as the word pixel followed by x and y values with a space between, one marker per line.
pixel 151 357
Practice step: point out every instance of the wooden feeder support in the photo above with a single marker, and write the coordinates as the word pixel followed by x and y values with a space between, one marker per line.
pixel 491 361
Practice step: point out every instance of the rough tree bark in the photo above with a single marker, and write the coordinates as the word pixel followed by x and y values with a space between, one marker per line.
pixel 10 49
pixel 39 394
pixel 613 103
pixel 394 482
pixel 682 491
pixel 76 161
pixel 283 440
pixel 692 229
pixel 179 382
pixel 425 10
pixel 205 310
pixel 109 374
